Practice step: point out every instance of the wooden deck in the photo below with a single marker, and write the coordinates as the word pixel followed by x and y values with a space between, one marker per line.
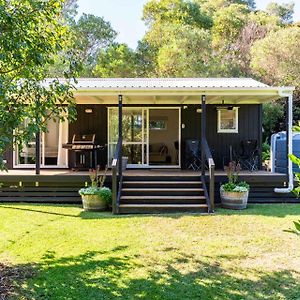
pixel 136 172
pixel 61 186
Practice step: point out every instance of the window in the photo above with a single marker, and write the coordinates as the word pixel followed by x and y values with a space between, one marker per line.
pixel 158 124
pixel 228 120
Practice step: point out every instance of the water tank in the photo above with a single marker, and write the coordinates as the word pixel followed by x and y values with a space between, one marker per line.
pixel 279 154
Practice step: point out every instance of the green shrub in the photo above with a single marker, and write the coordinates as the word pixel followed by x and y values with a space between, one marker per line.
pixel 233 185
pixel 296 161
pixel 239 187
pixel 104 193
pixel 265 151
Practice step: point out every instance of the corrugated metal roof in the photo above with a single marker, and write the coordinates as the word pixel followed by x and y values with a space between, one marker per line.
pixel 167 83
pixel 153 83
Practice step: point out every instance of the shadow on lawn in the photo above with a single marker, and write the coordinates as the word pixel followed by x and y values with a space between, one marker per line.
pixel 270 210
pixel 113 275
pixel 89 215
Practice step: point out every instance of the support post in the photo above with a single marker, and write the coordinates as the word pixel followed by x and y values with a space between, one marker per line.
pixel 287 138
pixel 120 107
pixel 37 153
pixel 203 132
pixel 289 145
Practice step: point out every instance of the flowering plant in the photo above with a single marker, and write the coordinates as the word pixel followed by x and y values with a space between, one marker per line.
pixel 233 185
pixel 97 186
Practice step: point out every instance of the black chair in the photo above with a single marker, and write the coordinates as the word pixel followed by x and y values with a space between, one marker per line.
pixel 247 155
pixel 192 155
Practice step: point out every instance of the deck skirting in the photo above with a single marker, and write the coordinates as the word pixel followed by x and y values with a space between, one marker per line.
pixel 63 188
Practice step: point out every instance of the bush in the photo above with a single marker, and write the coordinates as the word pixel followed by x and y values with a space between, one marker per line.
pixel 240 187
pixel 266 151
pixel 104 193
pixel 233 185
pixel 296 161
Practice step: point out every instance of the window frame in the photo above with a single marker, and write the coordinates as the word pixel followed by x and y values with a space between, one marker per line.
pixel 236 129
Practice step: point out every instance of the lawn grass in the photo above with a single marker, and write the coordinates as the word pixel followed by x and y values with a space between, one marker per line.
pixel 79 255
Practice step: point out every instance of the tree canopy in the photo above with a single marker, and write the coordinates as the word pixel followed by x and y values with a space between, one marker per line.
pixel 32 32
pixel 184 38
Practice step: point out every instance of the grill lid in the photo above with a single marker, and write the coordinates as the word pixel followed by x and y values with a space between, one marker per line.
pixel 84 139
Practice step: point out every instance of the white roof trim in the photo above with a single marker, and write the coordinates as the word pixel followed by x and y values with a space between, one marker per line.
pixel 164 87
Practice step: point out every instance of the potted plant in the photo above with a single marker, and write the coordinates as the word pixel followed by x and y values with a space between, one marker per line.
pixel 96 197
pixel 234 194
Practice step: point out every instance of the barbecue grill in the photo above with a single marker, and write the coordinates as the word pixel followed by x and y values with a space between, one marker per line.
pixel 85 150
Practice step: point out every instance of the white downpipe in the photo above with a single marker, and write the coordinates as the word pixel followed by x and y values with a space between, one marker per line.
pixel 290 145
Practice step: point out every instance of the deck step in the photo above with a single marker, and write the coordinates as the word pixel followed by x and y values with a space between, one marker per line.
pixel 163 190
pixel 160 208
pixel 163 197
pixel 161 182
pixel 158 194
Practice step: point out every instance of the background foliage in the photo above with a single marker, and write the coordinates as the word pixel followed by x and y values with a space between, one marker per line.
pixel 204 38
pixel 184 38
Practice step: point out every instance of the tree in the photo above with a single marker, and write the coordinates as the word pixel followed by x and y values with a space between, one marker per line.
pixel 117 61
pixel 188 53
pixel 176 30
pixel 212 6
pixel 228 25
pixel 175 11
pixel 258 25
pixel 32 32
pixel 284 11
pixel 273 116
pixel 69 10
pixel 93 34
pixel 146 61
pixel 275 59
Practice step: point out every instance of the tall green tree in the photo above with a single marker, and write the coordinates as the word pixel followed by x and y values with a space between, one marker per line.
pixel 187 54
pixel 146 62
pixel 284 11
pixel 175 11
pixel 275 59
pixel 116 61
pixel 178 30
pixel 228 25
pixel 32 32
pixel 93 34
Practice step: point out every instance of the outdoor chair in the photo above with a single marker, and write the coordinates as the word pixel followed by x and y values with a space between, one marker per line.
pixel 247 155
pixel 192 152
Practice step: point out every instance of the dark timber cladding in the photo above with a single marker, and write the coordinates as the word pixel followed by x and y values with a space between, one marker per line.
pixel 250 124
pixel 94 122
pixel 250 127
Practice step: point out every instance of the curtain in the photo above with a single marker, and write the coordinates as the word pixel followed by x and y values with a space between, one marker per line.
pixel 62 159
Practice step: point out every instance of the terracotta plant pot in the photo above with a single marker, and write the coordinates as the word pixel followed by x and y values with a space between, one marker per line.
pixel 234 200
pixel 93 203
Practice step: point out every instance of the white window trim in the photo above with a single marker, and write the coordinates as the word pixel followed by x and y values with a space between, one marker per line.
pixel 236 130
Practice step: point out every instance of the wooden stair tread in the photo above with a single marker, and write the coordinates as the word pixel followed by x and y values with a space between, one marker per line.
pixel 163 197
pixel 161 182
pixel 163 205
pixel 163 189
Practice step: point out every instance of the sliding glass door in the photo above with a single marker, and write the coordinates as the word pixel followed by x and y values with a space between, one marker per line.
pixel 151 136
pixel 134 135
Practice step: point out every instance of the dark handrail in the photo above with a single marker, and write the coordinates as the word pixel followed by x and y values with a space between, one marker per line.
pixel 116 190
pixel 211 168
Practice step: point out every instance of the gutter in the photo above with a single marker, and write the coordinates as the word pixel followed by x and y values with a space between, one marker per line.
pixel 289 136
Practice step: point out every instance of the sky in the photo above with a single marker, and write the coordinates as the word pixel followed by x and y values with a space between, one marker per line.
pixel 125 16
